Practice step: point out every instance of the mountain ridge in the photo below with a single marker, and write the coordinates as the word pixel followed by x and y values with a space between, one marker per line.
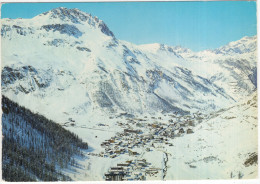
pixel 77 16
pixel 163 105
pixel 108 72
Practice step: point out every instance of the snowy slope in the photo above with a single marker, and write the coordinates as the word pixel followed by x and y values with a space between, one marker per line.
pixel 68 54
pixel 220 147
pixel 35 148
pixel 67 65
pixel 232 66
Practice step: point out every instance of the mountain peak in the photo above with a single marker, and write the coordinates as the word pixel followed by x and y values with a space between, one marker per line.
pixel 74 15
pixel 77 16
pixel 247 44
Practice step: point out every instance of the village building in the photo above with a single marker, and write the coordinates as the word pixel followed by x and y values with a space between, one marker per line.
pixel 190 131
pixel 181 131
pixel 115 176
pixel 132 131
pixel 123 165
pixel 132 153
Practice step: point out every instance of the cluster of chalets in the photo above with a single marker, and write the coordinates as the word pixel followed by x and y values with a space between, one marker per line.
pixel 139 133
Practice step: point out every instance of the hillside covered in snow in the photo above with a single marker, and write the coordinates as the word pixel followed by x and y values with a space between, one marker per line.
pixel 35 148
pixel 68 66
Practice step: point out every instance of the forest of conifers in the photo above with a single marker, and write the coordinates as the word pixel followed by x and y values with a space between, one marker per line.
pixel 35 148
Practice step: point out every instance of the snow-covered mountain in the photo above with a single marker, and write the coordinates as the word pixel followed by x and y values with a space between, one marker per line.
pixel 69 67
pixel 231 65
pixel 69 61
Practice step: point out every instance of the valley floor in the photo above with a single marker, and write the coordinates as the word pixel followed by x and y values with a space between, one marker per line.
pixel 220 145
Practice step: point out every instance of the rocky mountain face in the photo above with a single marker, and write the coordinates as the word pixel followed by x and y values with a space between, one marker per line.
pixel 67 63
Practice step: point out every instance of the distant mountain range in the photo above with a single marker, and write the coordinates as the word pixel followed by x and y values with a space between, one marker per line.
pixel 66 62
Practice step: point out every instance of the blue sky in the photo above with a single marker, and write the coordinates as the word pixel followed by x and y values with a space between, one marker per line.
pixel 194 25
